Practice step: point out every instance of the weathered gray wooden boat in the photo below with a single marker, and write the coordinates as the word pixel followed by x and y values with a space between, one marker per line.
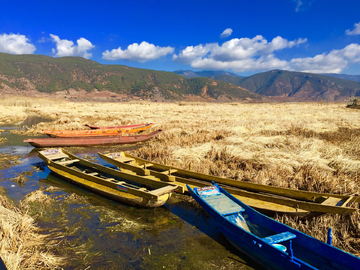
pixel 261 197
pixel 129 188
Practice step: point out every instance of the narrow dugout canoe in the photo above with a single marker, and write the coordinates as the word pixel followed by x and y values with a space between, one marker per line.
pixel 98 132
pixel 142 191
pixel 126 126
pixel 272 244
pixel 261 197
pixel 90 141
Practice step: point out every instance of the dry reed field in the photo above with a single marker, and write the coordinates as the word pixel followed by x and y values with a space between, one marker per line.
pixel 307 146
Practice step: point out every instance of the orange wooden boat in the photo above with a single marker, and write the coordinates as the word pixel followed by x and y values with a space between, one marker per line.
pixel 90 141
pixel 126 126
pixel 97 132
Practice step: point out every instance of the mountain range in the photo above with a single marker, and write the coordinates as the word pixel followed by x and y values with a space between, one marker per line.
pixel 77 78
pixel 284 85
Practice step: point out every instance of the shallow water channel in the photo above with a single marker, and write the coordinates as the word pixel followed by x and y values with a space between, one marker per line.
pixel 98 233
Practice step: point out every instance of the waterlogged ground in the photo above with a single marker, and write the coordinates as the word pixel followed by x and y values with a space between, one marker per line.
pixel 96 233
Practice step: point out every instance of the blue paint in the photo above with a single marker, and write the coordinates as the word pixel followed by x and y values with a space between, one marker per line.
pixel 329 237
pixel 269 242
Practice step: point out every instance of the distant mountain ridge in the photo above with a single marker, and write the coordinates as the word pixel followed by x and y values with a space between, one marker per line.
pixel 82 79
pixel 300 86
pixel 344 76
pixel 281 85
pixel 204 73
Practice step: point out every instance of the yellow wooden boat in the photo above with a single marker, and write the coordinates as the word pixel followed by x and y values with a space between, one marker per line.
pixel 262 197
pixel 143 191
pixel 1 130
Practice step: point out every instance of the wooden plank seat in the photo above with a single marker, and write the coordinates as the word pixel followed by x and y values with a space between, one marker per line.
pixel 66 162
pixel 162 190
pixel 93 173
pixel 169 171
pixel 124 159
pixel 278 238
pixel 145 165
pixel 331 201
pixel 223 204
pixel 57 156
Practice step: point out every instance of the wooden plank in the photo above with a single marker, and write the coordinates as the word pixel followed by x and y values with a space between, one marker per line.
pixel 278 238
pixel 93 173
pixel 169 171
pixel 162 190
pixel 57 156
pixel 331 201
pixel 124 159
pixel 66 162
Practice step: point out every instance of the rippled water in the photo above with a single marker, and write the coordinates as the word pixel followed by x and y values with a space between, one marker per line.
pixel 103 234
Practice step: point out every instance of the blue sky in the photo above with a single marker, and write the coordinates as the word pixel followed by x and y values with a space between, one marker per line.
pixel 242 36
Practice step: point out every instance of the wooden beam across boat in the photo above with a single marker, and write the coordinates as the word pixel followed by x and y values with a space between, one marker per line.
pixel 143 191
pixel 261 197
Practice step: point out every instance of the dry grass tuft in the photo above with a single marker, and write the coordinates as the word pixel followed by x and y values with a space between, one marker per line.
pixel 22 246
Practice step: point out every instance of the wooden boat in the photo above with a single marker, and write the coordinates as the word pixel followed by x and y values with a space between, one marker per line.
pixel 1 130
pixel 131 189
pixel 261 197
pixel 97 132
pixel 272 244
pixel 126 126
pixel 90 141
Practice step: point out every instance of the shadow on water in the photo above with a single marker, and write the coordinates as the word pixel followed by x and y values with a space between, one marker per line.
pixel 98 233
pixel 194 215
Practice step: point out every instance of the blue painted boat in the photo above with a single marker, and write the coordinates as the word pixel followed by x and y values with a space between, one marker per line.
pixel 272 244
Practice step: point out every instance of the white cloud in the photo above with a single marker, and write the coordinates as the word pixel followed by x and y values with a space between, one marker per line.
pixel 302 5
pixel 238 54
pixel 192 53
pixel 299 3
pixel 66 47
pixel 356 30
pixel 333 62
pixel 227 32
pixel 16 44
pixel 140 53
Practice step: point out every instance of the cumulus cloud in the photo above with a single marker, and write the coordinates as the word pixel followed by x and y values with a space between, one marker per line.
pixel 302 5
pixel 16 44
pixel 333 62
pixel 238 54
pixel 138 52
pixel 66 47
pixel 356 30
pixel 227 32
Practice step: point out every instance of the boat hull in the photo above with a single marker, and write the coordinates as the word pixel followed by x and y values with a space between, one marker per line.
pixel 260 237
pixel 116 195
pixel 91 141
pixel 130 129
pixel 267 199
pixel 142 191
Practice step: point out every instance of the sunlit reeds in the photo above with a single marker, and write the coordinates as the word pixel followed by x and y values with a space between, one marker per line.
pixel 22 246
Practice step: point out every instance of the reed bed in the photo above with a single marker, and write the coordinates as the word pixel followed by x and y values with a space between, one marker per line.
pixel 308 146
pixel 22 245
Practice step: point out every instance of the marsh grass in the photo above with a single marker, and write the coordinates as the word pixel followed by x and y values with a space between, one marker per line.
pixel 307 146
pixel 22 245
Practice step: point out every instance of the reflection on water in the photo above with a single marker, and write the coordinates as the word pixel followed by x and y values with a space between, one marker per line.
pixel 102 234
